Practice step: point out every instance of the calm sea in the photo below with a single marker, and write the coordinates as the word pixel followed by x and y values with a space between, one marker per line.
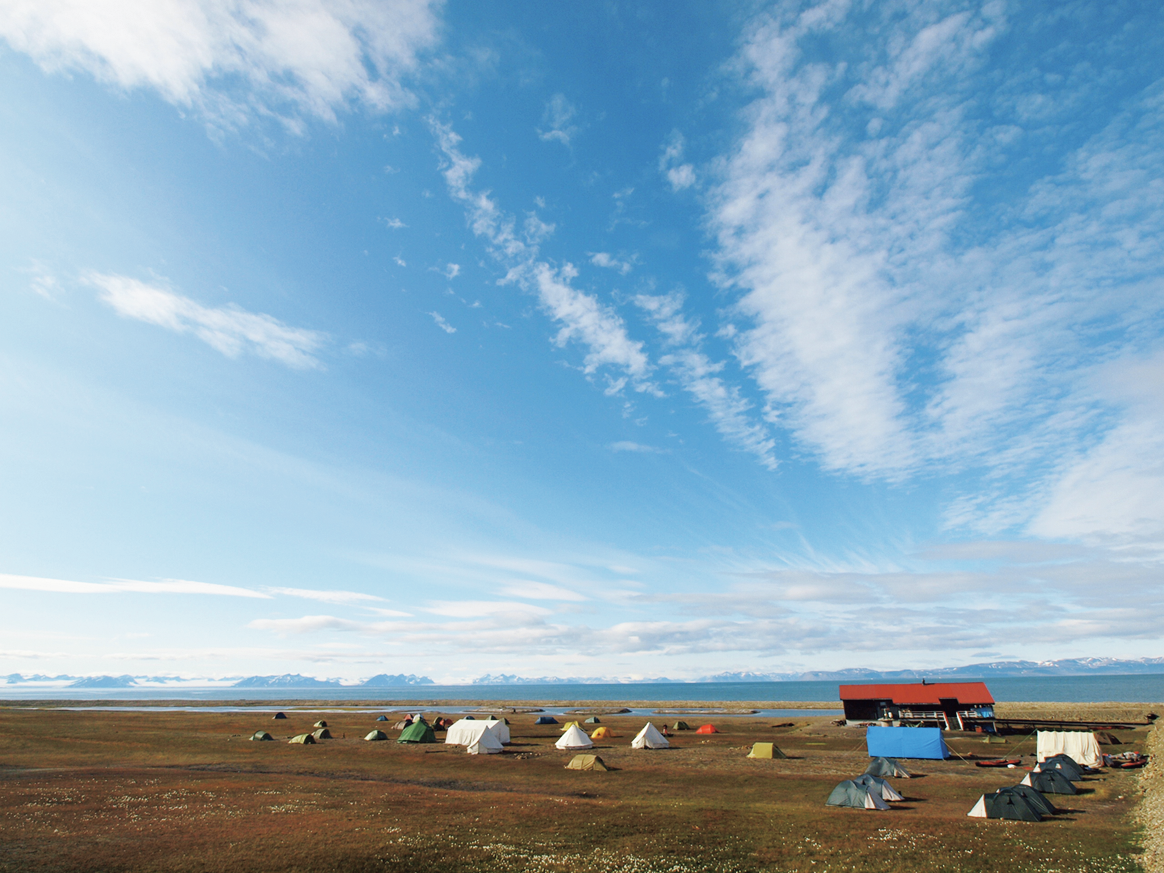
pixel 1068 689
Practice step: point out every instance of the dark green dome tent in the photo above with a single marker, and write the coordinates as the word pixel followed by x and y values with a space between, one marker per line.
pixel 417 732
pixel 681 726
pixel 1049 782
pixel 321 734
pixel 278 715
pixel 546 719
pixel 1065 764
pixel 1034 798
pixel 261 735
pixel 1004 804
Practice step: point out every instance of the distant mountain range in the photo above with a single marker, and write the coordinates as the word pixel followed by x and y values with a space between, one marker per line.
pixel 287 680
pixel 988 670
pixel 1062 667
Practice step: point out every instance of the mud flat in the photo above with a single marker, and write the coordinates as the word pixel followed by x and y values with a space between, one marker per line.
pixel 188 791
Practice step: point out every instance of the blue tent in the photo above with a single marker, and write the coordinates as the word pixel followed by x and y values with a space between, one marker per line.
pixel 906 742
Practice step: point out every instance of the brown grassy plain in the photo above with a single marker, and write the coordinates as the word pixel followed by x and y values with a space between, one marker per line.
pixel 187 791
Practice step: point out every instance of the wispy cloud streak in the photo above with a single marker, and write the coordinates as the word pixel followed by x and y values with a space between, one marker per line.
pixel 230 329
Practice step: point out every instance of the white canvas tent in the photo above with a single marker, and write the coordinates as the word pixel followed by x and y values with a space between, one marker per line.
pixel 574 738
pixel 486 744
pixel 650 738
pixel 1081 746
pixel 467 731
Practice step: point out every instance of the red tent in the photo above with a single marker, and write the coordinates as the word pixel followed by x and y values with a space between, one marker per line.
pixel 707 729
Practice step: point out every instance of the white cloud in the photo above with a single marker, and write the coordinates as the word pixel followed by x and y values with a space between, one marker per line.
pixel 230 329
pixel 122 586
pixel 583 318
pixel 482 608
pixel 441 323
pixel 609 262
pixel 902 303
pixel 678 174
pixel 306 624
pixel 234 60
pixel 340 597
pixel 727 409
pixel 631 446
pixel 531 590
pixel 557 121
pixel 394 223
pixel 451 271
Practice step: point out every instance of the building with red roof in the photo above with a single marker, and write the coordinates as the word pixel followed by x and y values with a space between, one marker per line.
pixel 951 705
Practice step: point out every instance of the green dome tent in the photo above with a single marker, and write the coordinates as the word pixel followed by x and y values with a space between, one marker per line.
pixel 261 735
pixel 593 720
pixel 1065 764
pixel 681 726
pixel 417 732
pixel 303 740
pixel 320 723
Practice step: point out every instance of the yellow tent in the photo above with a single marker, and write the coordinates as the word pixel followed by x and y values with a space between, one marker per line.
pixel 765 750
pixel 603 733
pixel 568 725
pixel 586 762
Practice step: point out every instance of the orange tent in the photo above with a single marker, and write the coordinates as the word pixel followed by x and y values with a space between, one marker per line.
pixel 707 729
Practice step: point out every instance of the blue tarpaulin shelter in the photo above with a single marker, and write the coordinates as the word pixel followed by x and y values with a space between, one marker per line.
pixel 906 742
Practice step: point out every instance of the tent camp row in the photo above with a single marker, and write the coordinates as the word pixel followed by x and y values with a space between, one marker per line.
pixel 1027 801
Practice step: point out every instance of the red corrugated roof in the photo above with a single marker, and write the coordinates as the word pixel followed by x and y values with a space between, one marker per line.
pixel 970 693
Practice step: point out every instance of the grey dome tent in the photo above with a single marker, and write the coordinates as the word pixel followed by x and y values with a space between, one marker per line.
pixel 546 719
pixel 375 736
pixel 593 720
pixel 882 766
pixel 1049 782
pixel 850 794
pixel 878 786
pixel 261 735
pixel 417 732
pixel 1006 805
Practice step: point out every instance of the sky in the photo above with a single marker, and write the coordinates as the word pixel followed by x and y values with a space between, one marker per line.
pixel 624 339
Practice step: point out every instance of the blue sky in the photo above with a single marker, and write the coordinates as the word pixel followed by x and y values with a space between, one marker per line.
pixel 621 340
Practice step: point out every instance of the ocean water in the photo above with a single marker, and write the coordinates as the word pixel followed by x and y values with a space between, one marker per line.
pixel 1067 689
